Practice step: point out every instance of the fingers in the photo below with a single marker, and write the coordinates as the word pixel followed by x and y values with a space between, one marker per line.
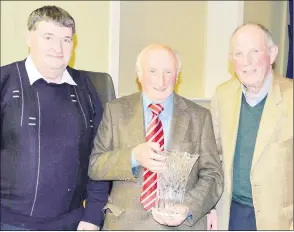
pixel 208 224
pixel 170 217
pixel 157 166
pixel 212 220
pixel 145 154
pixel 157 169
pixel 173 220
pixel 156 216
pixel 165 219
pixel 154 146
pixel 157 157
pixel 214 226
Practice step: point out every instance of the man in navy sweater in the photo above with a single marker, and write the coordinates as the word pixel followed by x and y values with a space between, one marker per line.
pixel 49 117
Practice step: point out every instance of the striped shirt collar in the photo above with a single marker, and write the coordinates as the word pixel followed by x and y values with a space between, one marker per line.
pixel 35 75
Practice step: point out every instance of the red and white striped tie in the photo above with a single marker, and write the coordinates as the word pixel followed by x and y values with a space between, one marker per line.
pixel 154 134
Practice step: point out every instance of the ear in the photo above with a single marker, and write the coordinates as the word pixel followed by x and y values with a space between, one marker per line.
pixel 139 73
pixel 177 77
pixel 230 57
pixel 273 53
pixel 29 38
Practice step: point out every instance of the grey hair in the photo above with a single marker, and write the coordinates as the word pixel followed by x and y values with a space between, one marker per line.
pixel 51 14
pixel 270 41
pixel 141 54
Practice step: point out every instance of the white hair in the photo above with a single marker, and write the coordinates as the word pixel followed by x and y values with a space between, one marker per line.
pixel 270 41
pixel 142 53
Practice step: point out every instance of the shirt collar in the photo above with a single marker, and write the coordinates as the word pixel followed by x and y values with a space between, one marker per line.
pixel 252 101
pixel 35 75
pixel 166 104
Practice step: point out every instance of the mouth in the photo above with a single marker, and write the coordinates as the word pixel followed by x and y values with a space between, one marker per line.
pixel 160 89
pixel 249 72
pixel 57 57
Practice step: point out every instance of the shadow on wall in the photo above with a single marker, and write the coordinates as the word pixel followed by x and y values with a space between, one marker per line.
pixel 231 69
pixel 73 57
pixel 176 86
pixel 138 84
pixel 178 82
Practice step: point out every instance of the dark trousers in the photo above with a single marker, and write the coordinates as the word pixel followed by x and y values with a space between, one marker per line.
pixel 242 217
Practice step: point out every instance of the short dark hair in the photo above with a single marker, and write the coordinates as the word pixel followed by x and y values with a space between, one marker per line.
pixel 51 14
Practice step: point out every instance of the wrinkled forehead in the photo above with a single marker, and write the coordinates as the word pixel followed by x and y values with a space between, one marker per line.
pixel 159 56
pixel 249 37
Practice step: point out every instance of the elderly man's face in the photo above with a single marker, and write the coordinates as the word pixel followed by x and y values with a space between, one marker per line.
pixel 51 45
pixel 251 57
pixel 159 73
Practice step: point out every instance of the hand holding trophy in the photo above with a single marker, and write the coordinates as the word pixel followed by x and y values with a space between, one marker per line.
pixel 169 209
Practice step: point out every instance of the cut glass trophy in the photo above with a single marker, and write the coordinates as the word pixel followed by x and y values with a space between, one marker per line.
pixel 172 184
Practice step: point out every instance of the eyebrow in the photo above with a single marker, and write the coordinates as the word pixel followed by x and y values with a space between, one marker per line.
pixel 48 34
pixel 66 37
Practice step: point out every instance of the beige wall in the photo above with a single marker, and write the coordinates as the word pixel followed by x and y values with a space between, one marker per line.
pixel 199 31
pixel 92 22
pixel 273 15
pixel 179 24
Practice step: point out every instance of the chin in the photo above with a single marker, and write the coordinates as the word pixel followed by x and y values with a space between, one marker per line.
pixel 56 65
pixel 252 83
pixel 163 97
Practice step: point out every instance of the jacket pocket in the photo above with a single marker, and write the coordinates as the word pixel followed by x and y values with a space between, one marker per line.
pixel 115 210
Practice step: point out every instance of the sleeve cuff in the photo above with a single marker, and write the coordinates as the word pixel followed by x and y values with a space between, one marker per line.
pixel 134 161
pixel 92 216
pixel 190 216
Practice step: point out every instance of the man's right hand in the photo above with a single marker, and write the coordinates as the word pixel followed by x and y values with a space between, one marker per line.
pixel 145 155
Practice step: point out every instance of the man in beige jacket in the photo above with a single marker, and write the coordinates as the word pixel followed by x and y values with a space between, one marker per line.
pixel 253 124
pixel 121 152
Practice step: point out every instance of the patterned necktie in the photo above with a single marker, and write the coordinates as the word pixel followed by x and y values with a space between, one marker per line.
pixel 154 134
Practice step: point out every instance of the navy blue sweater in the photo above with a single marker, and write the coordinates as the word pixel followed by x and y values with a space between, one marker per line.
pixel 47 133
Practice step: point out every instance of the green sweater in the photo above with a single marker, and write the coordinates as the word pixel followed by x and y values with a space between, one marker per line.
pixel 246 138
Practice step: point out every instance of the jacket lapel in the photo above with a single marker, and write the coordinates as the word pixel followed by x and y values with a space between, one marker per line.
pixel 269 120
pixel 179 124
pixel 232 115
pixel 135 127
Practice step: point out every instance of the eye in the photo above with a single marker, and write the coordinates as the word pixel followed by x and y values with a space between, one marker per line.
pixel 48 38
pixel 67 40
pixel 152 70
pixel 238 54
pixel 255 51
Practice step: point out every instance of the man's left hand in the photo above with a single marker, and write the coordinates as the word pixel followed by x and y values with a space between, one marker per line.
pixel 171 220
pixel 212 220
pixel 87 226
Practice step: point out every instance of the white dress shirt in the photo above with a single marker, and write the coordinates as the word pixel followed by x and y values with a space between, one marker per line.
pixel 35 75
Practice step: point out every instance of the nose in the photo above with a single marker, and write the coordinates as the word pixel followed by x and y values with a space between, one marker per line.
pixel 161 80
pixel 247 60
pixel 58 46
